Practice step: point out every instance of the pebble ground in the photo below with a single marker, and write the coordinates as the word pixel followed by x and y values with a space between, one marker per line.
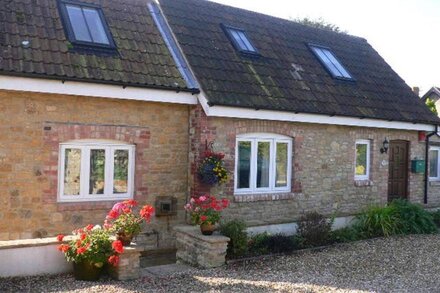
pixel 397 264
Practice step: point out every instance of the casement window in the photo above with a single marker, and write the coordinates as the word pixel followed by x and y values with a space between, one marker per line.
pixel 362 165
pixel 94 171
pixel 85 24
pixel 240 40
pixel 434 163
pixel 263 163
pixel 330 62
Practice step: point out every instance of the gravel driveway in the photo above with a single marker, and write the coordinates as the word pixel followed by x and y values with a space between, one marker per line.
pixel 400 264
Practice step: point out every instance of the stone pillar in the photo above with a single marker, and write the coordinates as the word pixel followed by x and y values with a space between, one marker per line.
pixel 129 264
pixel 199 250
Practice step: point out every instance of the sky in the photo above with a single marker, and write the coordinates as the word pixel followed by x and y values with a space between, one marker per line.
pixel 406 33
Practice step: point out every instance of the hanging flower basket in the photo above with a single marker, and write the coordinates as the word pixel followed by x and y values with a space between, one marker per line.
pixel 212 170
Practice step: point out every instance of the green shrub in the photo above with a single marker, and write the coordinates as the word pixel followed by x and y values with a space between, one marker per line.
pixel 414 218
pixel 398 217
pixel 265 243
pixel 314 229
pixel 436 217
pixel 378 221
pixel 257 244
pixel 346 234
pixel 236 231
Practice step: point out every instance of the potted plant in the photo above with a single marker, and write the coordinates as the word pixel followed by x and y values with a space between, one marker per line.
pixel 206 212
pixel 122 221
pixel 212 170
pixel 89 250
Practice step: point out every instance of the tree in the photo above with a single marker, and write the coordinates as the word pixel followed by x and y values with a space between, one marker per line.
pixel 320 23
pixel 431 105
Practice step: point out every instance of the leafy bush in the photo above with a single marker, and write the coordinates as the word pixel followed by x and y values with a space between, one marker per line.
pixel 414 218
pixel 314 229
pixel 378 221
pixel 436 217
pixel 236 231
pixel 346 234
pixel 258 244
pixel 265 243
pixel 399 217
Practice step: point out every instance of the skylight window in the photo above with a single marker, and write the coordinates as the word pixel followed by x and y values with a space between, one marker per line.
pixel 240 40
pixel 85 24
pixel 328 59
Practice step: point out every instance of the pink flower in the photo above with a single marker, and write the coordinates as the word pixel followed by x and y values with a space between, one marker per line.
pixel 202 198
pixel 118 207
pixel 188 207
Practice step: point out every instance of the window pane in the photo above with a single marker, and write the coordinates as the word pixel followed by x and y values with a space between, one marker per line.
pixel 78 23
pixel 263 163
pixel 244 164
pixel 361 159
pixel 95 26
pixel 97 171
pixel 336 63
pixel 120 173
pixel 237 38
pixel 327 62
pixel 245 40
pixel 72 171
pixel 281 165
pixel 433 163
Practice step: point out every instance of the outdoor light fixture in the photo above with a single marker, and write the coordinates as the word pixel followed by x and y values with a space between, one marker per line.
pixel 386 145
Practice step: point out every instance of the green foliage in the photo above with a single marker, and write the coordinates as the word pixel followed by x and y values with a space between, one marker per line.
pixel 347 234
pixel 265 243
pixel 320 23
pixel 414 218
pixel 399 217
pixel 436 217
pixel 431 105
pixel 314 229
pixel 127 223
pixel 236 231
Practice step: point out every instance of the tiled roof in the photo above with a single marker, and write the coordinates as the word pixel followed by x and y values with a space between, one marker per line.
pixel 142 57
pixel 269 82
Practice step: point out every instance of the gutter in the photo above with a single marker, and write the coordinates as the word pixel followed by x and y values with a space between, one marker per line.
pixel 425 196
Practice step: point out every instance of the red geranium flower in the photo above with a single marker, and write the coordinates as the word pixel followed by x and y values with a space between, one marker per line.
pixel 117 246
pixel 146 212
pixel 130 202
pixel 113 260
pixel 225 203
pixel 89 227
pixel 81 250
pixel 203 218
pixel 126 210
pixel 60 237
pixel 83 236
pixel 113 214
pixel 63 247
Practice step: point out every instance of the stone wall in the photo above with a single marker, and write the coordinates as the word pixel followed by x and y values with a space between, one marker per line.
pixel 323 168
pixel 198 250
pixel 31 127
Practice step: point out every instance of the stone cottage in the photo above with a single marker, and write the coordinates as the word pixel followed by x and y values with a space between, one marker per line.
pixel 107 100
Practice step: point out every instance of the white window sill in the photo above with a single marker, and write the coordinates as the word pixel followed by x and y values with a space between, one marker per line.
pixel 93 199
pixel 362 182
pixel 434 182
pixel 269 196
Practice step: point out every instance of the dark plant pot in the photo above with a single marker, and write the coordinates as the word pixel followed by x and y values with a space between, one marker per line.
pixel 86 271
pixel 125 238
pixel 207 228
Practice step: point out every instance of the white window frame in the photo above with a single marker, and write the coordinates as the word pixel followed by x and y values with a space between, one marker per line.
pixel 85 146
pixel 367 175
pixel 273 139
pixel 435 148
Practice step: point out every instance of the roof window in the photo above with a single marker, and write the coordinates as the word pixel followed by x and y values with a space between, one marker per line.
pixel 85 24
pixel 240 40
pixel 330 62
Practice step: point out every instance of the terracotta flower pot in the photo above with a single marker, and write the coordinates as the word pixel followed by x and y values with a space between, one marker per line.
pixel 86 271
pixel 207 228
pixel 125 238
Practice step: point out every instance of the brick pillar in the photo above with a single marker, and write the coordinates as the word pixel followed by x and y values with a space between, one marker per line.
pixel 129 264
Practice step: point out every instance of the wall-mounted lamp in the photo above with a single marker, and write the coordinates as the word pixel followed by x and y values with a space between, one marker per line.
pixel 386 145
